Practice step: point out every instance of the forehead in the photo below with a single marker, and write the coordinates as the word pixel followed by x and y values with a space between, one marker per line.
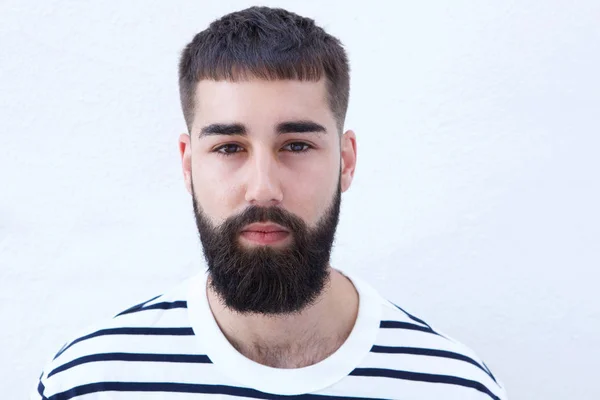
pixel 257 100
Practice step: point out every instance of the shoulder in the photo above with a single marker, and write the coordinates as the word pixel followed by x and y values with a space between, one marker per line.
pixel 139 333
pixel 412 349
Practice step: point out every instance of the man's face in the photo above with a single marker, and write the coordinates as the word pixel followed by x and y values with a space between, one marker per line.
pixel 265 166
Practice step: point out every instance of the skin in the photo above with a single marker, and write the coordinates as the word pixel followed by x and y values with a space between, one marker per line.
pixel 296 171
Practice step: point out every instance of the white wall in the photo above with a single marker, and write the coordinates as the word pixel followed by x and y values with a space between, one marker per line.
pixel 475 203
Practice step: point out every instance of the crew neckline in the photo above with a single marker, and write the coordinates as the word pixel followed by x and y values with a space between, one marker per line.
pixel 284 381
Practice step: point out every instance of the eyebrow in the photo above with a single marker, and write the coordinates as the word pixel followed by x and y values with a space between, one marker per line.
pixel 282 128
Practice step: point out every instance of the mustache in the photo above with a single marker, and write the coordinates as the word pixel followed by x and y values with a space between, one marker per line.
pixel 233 225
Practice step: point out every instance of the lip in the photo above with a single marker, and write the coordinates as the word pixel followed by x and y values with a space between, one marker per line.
pixel 264 227
pixel 265 233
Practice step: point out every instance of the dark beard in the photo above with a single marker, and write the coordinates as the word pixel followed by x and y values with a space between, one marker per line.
pixel 264 279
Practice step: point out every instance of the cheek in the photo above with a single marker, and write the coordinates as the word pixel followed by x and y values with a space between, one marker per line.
pixel 309 190
pixel 216 192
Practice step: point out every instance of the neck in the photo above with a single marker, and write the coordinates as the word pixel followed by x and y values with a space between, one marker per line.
pixel 292 340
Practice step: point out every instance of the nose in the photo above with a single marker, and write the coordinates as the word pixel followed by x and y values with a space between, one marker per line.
pixel 263 183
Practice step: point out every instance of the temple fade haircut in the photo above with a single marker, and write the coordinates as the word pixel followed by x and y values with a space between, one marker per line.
pixel 265 43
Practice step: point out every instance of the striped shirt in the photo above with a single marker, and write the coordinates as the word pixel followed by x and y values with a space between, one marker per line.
pixel 170 347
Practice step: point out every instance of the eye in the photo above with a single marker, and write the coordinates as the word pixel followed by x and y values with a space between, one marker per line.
pixel 228 149
pixel 297 147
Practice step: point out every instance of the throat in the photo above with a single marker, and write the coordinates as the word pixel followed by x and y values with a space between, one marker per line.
pixel 291 355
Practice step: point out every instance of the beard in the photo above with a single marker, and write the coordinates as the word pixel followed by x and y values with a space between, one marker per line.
pixel 263 279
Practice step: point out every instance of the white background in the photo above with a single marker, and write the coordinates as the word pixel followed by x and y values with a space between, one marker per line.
pixel 475 203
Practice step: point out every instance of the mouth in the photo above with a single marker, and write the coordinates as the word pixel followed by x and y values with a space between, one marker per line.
pixel 264 233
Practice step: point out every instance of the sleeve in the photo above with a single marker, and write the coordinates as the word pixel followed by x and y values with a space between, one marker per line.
pixel 503 395
pixel 39 392
pixel 46 386
pixel 502 389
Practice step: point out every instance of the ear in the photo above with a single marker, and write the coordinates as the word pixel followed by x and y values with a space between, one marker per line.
pixel 348 155
pixel 185 150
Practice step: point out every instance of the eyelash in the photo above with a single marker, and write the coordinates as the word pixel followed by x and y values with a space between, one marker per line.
pixel 225 154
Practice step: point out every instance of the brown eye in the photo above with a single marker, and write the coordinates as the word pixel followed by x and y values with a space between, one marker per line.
pixel 297 147
pixel 228 149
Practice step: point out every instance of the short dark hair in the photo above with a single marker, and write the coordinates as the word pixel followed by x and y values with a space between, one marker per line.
pixel 265 43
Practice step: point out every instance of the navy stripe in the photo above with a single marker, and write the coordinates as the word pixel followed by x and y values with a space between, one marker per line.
pixel 137 306
pixel 171 387
pixel 428 352
pixel 62 349
pixel 422 377
pixel 489 372
pixel 405 325
pixel 412 316
pixel 132 331
pixel 174 358
pixel 41 389
pixel 165 305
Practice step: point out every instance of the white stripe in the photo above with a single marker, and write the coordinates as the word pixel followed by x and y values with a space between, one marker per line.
pixel 409 338
pixel 130 344
pixel 172 318
pixel 430 365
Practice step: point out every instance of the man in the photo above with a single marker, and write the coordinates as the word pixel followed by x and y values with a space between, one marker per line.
pixel 264 95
